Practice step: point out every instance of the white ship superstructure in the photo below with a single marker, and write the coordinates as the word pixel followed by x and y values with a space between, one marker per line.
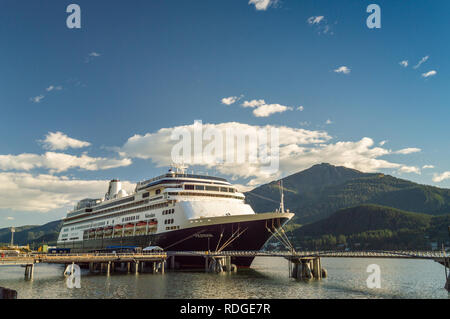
pixel 174 211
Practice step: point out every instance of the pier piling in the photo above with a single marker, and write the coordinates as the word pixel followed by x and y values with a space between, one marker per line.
pixel 447 275
pixel 29 271
pixel 307 268
pixel 6 293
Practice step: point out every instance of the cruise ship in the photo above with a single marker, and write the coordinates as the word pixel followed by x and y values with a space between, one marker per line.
pixel 175 211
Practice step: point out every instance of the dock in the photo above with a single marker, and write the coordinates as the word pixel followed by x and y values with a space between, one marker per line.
pixel 97 262
pixel 304 265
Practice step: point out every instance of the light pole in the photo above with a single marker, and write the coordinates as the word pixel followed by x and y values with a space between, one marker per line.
pixel 13 230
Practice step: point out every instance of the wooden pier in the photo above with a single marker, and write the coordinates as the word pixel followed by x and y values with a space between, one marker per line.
pixel 101 263
pixel 304 265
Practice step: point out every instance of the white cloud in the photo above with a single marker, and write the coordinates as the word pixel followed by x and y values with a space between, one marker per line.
pixel 9 218
pixel 269 109
pixel 404 63
pixel 409 150
pixel 299 149
pixel 43 193
pixel 262 4
pixel 157 146
pixel 423 60
pixel 253 103
pixel 91 56
pixel 59 162
pixel 315 19
pixel 382 143
pixel 328 122
pixel 410 169
pixel 58 141
pixel 52 87
pixel 441 177
pixel 229 100
pixel 37 99
pixel 343 69
pixel 320 25
pixel 429 73
pixel 262 109
pixel 427 166
pixel 300 108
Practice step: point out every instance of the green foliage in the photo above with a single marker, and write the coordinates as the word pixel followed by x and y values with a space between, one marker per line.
pixel 323 189
pixel 373 227
pixel 33 235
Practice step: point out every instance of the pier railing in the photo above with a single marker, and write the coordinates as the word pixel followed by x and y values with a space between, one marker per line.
pixel 42 257
pixel 319 253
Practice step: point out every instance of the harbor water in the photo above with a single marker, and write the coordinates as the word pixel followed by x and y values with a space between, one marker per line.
pixel 267 278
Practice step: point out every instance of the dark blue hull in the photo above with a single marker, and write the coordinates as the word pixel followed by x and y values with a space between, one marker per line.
pixel 237 236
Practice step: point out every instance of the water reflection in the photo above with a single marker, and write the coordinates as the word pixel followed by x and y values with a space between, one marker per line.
pixel 268 278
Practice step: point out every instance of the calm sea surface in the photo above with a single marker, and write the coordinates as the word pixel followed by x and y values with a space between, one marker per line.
pixel 268 278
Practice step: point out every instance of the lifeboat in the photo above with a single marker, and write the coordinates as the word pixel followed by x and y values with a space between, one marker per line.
pixel 129 229
pixel 141 228
pixel 108 231
pixel 99 232
pixel 118 230
pixel 92 234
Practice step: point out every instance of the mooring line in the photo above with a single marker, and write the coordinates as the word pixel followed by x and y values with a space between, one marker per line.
pixel 276 236
pixel 232 235
pixel 221 235
pixel 238 235
pixel 286 243
pixel 284 233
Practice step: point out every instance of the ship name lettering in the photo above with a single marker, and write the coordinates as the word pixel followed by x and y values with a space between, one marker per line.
pixel 203 236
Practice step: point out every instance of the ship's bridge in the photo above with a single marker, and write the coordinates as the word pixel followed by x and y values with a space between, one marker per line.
pixel 179 178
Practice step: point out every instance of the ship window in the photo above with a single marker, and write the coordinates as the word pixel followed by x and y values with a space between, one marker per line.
pixel 231 190
pixel 191 187
pixel 224 189
pixel 145 195
pixel 212 188
pixel 158 191
pixel 200 187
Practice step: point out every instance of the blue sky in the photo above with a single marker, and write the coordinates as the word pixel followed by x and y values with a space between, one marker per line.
pixel 139 66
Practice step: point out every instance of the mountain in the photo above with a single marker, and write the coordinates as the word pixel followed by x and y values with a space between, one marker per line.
pixel 374 227
pixel 321 190
pixel 32 234
pixel 317 193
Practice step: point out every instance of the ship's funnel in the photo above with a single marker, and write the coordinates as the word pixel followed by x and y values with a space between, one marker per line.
pixel 114 188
